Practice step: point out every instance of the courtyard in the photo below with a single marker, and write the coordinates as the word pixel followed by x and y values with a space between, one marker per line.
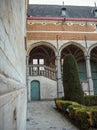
pixel 42 115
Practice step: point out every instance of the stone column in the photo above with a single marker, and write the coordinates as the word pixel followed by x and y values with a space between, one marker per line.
pixel 27 64
pixel 27 75
pixel 89 76
pixel 59 77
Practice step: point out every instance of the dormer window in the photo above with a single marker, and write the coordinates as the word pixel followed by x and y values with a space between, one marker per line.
pixel 95 12
pixel 96 28
pixel 63 12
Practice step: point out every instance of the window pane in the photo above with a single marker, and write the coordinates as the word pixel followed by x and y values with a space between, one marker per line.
pixel 41 61
pixel 35 61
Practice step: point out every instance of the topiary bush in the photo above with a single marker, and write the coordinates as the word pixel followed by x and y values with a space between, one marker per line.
pixel 90 100
pixel 71 82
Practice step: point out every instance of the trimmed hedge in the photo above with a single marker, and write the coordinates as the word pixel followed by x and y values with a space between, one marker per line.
pixel 94 117
pixel 81 119
pixel 84 117
pixel 90 100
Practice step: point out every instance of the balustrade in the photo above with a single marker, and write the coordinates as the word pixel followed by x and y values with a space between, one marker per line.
pixel 42 70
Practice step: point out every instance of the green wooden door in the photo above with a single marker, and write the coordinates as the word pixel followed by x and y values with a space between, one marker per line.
pixel 35 90
pixel 94 75
pixel 82 70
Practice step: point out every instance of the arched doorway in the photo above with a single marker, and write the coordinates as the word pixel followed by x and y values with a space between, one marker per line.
pixel 35 90
pixel 79 56
pixel 94 68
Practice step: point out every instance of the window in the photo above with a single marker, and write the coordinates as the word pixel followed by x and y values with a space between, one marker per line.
pixel 95 12
pixel 96 28
pixel 38 62
pixel 41 62
pixel 35 61
pixel 63 12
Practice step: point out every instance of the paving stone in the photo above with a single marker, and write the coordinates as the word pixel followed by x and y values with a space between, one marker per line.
pixel 42 115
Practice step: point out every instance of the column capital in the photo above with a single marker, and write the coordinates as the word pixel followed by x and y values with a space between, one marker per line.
pixel 87 57
pixel 58 57
pixel 27 56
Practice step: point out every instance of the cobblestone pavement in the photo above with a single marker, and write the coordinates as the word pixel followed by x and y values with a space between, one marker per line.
pixel 42 115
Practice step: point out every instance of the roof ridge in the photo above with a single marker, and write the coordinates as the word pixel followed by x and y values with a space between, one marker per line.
pixel 60 5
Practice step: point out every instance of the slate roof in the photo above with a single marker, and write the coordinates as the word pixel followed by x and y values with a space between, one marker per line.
pixel 55 11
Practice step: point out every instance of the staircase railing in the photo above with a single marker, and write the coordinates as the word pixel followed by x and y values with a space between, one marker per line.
pixel 42 70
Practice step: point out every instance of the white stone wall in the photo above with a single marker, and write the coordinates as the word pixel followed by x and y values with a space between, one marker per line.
pixel 12 65
pixel 12 110
pixel 48 87
pixel 12 32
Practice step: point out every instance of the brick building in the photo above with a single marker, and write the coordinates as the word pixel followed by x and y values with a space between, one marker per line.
pixel 52 32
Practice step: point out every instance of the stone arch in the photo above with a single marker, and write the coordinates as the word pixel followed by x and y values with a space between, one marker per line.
pixel 75 44
pixel 91 48
pixel 79 53
pixel 93 63
pixel 41 43
pixel 42 51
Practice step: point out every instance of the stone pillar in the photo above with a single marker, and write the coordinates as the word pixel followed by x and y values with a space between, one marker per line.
pixel 59 77
pixel 27 64
pixel 89 76
pixel 27 75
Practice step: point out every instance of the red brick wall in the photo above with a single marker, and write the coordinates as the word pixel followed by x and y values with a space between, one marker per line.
pixel 60 27
pixel 62 36
pixel 76 35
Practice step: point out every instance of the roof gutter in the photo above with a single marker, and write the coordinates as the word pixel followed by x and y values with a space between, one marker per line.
pixel 62 19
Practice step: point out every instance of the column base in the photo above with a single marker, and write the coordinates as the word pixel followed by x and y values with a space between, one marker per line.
pixel 90 86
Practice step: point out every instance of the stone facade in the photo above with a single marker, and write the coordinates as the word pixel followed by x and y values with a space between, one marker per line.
pixel 77 36
pixel 12 65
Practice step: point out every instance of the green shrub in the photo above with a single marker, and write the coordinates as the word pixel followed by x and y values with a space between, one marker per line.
pixel 72 110
pixel 90 100
pixel 65 105
pixel 81 119
pixel 71 82
pixel 94 118
pixel 83 116
pixel 58 103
